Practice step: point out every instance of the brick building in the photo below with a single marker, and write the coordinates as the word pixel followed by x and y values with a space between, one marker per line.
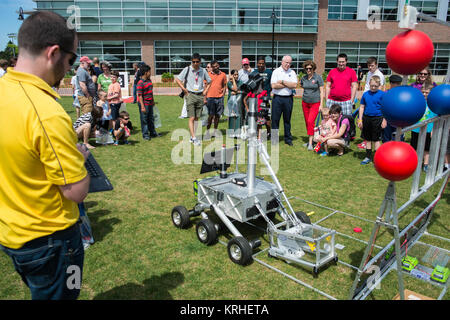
pixel 165 33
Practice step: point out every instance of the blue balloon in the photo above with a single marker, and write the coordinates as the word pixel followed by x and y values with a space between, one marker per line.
pixel 403 106
pixel 439 99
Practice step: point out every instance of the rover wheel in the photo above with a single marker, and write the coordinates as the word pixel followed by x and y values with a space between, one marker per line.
pixel 180 217
pixel 239 251
pixel 336 259
pixel 206 232
pixel 303 217
pixel 315 271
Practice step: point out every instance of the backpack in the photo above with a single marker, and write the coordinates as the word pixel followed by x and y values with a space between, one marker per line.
pixel 351 131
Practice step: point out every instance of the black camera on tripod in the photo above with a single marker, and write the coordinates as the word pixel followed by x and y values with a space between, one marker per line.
pixel 254 81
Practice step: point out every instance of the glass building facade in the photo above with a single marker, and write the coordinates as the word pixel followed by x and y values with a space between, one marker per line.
pixel 299 16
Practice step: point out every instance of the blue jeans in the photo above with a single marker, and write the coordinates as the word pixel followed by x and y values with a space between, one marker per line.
pixel 51 266
pixel 135 93
pixel 147 122
pixel 282 105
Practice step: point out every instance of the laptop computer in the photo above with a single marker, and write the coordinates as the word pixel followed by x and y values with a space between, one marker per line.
pixel 99 181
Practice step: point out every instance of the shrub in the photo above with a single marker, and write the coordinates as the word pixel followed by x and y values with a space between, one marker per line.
pixel 167 77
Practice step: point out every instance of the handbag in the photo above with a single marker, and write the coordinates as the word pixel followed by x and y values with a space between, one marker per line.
pixel 231 107
pixel 156 117
pixel 181 95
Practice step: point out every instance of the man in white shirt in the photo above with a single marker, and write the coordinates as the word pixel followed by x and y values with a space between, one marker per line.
pixel 372 65
pixel 283 81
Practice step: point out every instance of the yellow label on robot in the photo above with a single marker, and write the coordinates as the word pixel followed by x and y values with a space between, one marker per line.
pixel 311 245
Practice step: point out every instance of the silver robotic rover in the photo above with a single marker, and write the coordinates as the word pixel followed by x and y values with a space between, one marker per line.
pixel 243 197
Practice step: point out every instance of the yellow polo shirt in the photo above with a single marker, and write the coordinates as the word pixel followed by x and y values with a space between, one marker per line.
pixel 37 153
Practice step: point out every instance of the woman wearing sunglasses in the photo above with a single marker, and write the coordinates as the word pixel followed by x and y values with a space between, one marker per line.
pixel 312 100
pixel 422 77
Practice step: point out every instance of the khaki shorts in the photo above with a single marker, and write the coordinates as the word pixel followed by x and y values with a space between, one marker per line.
pixel 194 105
pixel 85 104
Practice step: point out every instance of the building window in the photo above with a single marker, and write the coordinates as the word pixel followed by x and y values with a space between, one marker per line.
pixel 388 9
pixel 173 56
pixel 357 53
pixel 300 51
pixel 439 64
pixel 121 54
pixel 429 7
pixel 342 9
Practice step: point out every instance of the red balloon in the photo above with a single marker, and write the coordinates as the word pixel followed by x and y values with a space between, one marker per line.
pixel 409 52
pixel 395 160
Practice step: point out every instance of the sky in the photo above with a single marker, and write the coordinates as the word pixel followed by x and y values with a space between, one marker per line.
pixel 8 18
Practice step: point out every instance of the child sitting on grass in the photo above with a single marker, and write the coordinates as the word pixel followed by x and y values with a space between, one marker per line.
pixel 338 140
pixel 85 125
pixel 371 120
pixel 122 129
pixel 326 129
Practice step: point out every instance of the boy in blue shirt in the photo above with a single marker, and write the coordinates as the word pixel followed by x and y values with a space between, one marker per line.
pixel 371 120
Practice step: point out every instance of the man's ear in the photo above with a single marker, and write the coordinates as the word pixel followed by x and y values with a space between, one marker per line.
pixel 53 52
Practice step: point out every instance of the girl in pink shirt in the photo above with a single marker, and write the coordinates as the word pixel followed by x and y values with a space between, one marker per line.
pixel 114 97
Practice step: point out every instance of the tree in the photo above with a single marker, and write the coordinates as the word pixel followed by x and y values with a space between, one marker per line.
pixel 11 51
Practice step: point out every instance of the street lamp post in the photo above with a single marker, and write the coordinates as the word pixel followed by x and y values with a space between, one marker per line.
pixel 13 36
pixel 274 19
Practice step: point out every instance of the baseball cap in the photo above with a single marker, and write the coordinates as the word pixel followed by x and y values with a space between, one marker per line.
pixel 395 78
pixel 245 61
pixel 85 59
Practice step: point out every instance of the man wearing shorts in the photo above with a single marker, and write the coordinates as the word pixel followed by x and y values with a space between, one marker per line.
pixel 341 87
pixel 86 87
pixel 195 92
pixel 215 95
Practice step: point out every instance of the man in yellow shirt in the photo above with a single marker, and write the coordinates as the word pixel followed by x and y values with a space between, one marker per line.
pixel 42 169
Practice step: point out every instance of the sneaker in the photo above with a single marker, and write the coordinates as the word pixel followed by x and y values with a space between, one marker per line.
pixel 362 145
pixel 324 154
pixel 310 147
pixel 194 141
pixel 425 168
pixel 366 161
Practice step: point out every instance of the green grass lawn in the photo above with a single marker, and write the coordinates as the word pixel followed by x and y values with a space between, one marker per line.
pixel 139 254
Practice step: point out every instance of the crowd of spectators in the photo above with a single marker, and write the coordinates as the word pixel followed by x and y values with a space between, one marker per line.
pixel 203 91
